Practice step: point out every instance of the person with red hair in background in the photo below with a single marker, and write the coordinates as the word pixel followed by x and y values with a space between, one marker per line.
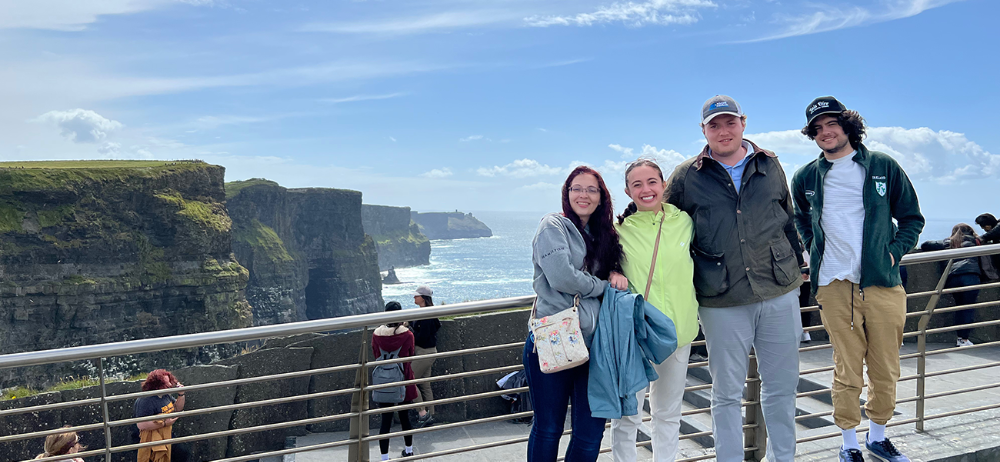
pixel 157 430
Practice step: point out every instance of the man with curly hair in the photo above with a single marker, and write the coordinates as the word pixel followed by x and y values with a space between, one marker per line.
pixel 845 203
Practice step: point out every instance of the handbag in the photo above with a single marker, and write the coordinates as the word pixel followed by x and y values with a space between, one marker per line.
pixel 558 338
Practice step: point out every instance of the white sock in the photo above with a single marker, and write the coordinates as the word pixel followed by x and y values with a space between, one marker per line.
pixel 409 449
pixel 385 456
pixel 850 438
pixel 876 432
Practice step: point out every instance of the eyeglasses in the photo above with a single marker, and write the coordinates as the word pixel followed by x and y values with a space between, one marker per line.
pixel 590 190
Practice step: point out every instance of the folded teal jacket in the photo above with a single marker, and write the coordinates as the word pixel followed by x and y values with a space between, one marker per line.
pixel 630 333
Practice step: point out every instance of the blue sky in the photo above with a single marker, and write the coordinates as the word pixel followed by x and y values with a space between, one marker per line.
pixel 486 105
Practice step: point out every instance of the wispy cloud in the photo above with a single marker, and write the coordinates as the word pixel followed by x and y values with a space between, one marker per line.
pixel 473 138
pixel 828 17
pixel 521 168
pixel 412 25
pixel 654 12
pixel 392 139
pixel 567 62
pixel 438 173
pixel 351 99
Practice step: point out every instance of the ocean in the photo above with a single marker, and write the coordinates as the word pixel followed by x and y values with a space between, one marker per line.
pixel 500 266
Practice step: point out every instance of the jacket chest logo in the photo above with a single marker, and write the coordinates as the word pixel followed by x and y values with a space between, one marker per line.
pixel 880 187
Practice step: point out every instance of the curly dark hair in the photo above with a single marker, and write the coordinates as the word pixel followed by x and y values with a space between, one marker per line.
pixel 852 123
pixel 158 380
pixel 604 252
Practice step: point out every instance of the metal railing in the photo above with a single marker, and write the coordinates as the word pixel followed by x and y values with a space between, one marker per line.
pixel 359 437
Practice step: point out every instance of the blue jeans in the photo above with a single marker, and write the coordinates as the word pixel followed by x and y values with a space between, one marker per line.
pixel 964 298
pixel 550 396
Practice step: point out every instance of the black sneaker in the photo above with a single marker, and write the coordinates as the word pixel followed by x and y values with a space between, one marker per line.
pixel 405 454
pixel 851 455
pixel 885 451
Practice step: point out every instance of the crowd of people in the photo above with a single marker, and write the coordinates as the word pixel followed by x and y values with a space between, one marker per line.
pixel 721 243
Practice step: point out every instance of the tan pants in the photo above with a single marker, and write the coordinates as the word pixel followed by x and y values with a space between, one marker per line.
pixel 422 369
pixel 878 315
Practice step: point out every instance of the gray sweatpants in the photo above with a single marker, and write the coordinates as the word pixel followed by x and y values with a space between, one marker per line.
pixel 772 328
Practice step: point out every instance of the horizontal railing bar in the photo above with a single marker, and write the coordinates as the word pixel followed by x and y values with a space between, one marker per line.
pixel 951 392
pixel 446 354
pixel 948 254
pixel 954 328
pixel 235 431
pixel 963 411
pixel 148 345
pixel 39 434
pixel 949 350
pixel 952 371
pixel 457 399
pixel 449 426
pixel 441 378
pixel 949 309
pixel 951 290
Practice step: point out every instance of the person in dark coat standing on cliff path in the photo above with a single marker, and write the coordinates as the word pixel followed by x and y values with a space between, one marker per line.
pixel 425 336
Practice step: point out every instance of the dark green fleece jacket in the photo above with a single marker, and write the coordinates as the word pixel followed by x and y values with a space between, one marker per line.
pixel 887 195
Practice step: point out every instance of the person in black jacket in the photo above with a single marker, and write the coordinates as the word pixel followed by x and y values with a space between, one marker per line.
pixel 425 334
pixel 991 233
pixel 963 273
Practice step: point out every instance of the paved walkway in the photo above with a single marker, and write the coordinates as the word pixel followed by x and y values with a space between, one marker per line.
pixel 945 440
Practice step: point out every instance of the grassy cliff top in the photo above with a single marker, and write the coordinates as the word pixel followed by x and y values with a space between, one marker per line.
pixel 234 187
pixel 58 174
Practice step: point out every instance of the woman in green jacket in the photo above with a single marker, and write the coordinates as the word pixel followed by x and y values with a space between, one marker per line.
pixel 671 291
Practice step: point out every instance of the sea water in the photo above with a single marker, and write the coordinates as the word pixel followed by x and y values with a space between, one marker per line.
pixel 500 266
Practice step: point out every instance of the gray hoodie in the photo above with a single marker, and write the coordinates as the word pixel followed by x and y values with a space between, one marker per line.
pixel 558 253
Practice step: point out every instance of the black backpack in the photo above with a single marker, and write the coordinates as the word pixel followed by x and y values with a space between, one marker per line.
pixel 388 373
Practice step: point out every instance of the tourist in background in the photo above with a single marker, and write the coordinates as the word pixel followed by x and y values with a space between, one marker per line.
pixel 991 234
pixel 573 253
pixel 746 276
pixel 648 221
pixel 388 338
pixel 162 404
pixel 846 202
pixel 63 444
pixel 965 272
pixel 425 340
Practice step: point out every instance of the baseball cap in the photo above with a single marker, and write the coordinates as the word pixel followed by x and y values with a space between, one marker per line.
pixel 823 105
pixel 718 105
pixel 423 290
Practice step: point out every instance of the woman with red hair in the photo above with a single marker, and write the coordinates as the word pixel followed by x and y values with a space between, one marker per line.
pixel 157 430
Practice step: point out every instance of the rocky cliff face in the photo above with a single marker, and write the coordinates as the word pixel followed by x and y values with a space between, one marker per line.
pixel 398 240
pixel 97 252
pixel 307 253
pixel 450 225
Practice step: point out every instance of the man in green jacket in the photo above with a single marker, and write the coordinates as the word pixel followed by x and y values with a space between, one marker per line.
pixel 845 202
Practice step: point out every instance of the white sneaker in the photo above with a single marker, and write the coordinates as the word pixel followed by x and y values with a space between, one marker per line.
pixel 962 342
pixel 806 337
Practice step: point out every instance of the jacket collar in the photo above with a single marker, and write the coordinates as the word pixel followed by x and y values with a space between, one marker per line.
pixel 699 160
pixel 862 156
pixel 669 211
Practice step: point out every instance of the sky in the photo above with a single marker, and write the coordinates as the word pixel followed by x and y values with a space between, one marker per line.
pixel 487 105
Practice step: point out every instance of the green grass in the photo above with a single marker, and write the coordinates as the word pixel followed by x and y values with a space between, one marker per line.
pixel 234 187
pixel 263 239
pixel 70 384
pixel 55 216
pixel 85 164
pixel 60 175
pixel 10 217
pixel 199 212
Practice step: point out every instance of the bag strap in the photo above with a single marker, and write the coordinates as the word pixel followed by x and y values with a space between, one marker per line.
pixel 652 266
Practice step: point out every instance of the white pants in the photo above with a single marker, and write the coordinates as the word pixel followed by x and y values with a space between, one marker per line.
pixel 665 396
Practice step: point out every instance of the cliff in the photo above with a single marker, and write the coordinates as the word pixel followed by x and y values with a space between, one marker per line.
pixel 306 251
pixel 397 238
pixel 450 225
pixel 96 251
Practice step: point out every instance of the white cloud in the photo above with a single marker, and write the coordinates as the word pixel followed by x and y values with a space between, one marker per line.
pixel 653 12
pixel 829 17
pixel 66 15
pixel 438 173
pixel 667 159
pixel 110 149
pixel 80 125
pixel 413 25
pixel 522 168
pixel 351 99
pixel 540 186
pixel 392 139
pixel 473 138
pixel 941 156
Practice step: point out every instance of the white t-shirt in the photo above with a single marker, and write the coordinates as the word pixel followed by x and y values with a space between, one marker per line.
pixel 843 221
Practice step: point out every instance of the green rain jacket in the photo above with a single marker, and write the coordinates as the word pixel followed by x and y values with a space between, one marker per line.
pixel 887 195
pixel 672 291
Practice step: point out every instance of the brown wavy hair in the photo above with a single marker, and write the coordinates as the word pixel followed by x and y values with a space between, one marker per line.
pixel 60 443
pixel 604 252
pixel 958 234
pixel 850 121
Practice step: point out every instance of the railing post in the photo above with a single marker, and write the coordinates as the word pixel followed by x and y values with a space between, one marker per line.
pixel 925 319
pixel 359 404
pixel 104 411
pixel 754 437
